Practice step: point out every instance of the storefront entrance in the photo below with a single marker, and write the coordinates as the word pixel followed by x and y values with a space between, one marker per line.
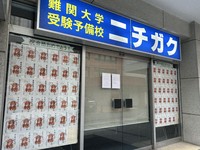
pixel 117 113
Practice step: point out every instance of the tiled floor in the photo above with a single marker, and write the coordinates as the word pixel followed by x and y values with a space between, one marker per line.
pixel 180 146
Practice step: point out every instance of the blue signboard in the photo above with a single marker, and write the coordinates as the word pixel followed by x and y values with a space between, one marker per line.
pixel 149 40
pixel 81 20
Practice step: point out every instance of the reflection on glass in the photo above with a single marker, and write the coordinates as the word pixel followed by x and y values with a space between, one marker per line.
pixel 168 132
pixel 107 127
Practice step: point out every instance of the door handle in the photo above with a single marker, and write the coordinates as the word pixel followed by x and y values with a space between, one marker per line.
pixel 117 103
pixel 128 103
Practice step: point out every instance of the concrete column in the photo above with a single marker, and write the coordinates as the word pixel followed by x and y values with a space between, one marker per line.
pixel 4 34
pixel 190 86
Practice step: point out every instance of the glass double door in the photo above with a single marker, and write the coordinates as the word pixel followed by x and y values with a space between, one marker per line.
pixel 116 102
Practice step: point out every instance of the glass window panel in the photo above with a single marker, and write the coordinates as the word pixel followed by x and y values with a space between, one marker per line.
pixel 106 127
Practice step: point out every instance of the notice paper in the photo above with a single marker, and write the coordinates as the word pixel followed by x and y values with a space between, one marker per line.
pixel 106 80
pixel 116 81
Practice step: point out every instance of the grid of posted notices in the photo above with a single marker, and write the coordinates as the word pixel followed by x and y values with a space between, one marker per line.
pixel 42 99
pixel 165 93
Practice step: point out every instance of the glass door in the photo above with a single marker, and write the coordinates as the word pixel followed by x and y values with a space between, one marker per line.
pixel 136 126
pixel 103 108
pixel 116 102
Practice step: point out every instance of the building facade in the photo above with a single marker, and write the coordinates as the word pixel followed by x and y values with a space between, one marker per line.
pixel 65 88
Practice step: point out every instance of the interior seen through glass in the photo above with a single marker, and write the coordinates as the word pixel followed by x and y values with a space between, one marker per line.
pixel 116 103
